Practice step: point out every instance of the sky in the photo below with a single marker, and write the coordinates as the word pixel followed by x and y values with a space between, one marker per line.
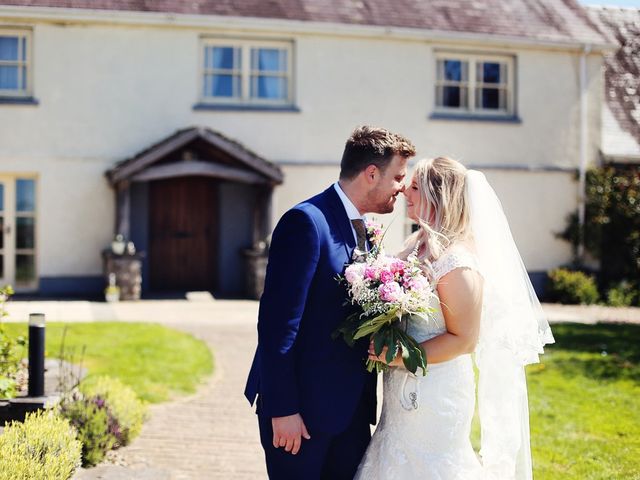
pixel 615 3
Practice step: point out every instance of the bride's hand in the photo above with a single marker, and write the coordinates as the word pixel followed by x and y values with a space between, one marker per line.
pixel 397 362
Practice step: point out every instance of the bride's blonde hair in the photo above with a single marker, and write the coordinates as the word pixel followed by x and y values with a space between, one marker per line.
pixel 443 215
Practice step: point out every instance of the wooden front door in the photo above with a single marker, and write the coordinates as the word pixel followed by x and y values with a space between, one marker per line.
pixel 183 234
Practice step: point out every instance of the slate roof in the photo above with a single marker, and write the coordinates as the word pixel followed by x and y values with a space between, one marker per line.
pixel 544 20
pixel 621 112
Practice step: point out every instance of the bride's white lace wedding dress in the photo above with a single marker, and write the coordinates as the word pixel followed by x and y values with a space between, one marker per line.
pixel 423 432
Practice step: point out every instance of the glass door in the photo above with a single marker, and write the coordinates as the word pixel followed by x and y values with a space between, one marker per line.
pixel 18 233
pixel 25 238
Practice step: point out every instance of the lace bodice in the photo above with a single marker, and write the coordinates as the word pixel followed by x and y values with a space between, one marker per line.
pixel 456 257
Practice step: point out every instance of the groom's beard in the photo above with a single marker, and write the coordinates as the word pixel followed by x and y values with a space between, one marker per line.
pixel 381 202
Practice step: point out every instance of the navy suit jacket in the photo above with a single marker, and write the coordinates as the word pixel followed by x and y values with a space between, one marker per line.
pixel 298 367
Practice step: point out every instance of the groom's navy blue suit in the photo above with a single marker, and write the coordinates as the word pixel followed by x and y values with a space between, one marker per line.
pixel 298 367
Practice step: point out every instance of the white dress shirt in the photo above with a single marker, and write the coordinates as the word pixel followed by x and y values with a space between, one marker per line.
pixel 352 211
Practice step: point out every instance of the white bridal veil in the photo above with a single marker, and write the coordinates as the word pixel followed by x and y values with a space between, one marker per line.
pixel 513 332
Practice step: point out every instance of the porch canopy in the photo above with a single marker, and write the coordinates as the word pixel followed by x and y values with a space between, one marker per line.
pixel 196 202
pixel 196 151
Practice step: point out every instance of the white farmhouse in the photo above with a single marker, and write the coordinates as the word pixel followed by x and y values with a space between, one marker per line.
pixel 190 127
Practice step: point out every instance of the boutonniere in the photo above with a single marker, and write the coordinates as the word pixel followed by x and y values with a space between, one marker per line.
pixel 375 233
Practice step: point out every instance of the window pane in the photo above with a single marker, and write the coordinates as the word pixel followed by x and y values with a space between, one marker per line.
pixel 1 197
pixel 269 87
pixel 269 60
pixel 490 98
pixel 1 266
pixel 490 73
pixel 8 78
pixel 455 70
pixel 8 48
pixel 1 233
pixel 222 86
pixel 24 49
pixel 23 81
pixel 222 57
pixel 453 97
pixel 25 195
pixel 25 232
pixel 25 269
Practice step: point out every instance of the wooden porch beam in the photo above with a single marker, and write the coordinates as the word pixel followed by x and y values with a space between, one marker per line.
pixel 199 168
pixel 154 155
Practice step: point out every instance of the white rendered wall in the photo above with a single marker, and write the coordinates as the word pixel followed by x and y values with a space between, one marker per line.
pixel 108 92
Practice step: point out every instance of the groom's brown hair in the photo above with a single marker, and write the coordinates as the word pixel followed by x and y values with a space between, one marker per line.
pixel 372 146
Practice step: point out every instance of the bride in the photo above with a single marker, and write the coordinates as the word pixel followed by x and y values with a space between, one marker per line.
pixel 486 305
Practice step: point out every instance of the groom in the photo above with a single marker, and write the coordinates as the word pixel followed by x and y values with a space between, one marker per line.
pixel 315 399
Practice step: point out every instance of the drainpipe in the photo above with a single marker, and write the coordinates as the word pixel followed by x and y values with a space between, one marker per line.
pixel 582 179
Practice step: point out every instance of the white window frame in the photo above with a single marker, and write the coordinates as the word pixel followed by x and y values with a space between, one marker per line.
pixel 26 34
pixel 245 71
pixel 473 84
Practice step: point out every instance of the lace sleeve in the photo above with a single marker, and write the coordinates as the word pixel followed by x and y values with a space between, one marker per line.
pixel 452 260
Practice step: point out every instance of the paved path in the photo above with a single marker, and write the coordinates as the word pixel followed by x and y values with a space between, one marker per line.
pixel 210 435
pixel 213 434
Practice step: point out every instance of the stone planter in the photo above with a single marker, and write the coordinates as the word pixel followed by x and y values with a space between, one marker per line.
pixel 128 272
pixel 256 269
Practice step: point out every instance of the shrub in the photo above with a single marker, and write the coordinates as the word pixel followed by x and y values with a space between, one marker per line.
pixel 128 410
pixel 611 232
pixel 622 294
pixel 571 287
pixel 97 427
pixel 12 368
pixel 44 447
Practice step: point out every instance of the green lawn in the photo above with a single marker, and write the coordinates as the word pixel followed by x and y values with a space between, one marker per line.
pixel 585 404
pixel 157 362
pixel 584 400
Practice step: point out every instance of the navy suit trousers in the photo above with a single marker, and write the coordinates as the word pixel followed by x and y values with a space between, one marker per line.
pixel 324 456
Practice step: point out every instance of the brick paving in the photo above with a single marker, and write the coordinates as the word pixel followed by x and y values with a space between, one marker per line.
pixel 213 434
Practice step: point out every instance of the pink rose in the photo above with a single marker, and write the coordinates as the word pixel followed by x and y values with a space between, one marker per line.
pixel 371 273
pixel 351 273
pixel 417 283
pixel 397 266
pixel 390 292
pixel 387 276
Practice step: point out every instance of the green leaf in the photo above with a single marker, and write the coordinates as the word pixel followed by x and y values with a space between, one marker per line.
pixel 371 326
pixel 408 357
pixel 413 355
pixel 392 347
pixel 378 342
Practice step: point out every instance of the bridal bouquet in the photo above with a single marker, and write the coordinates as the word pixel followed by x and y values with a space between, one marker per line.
pixel 386 290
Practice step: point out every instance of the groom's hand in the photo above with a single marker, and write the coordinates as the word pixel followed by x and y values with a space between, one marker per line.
pixel 287 432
